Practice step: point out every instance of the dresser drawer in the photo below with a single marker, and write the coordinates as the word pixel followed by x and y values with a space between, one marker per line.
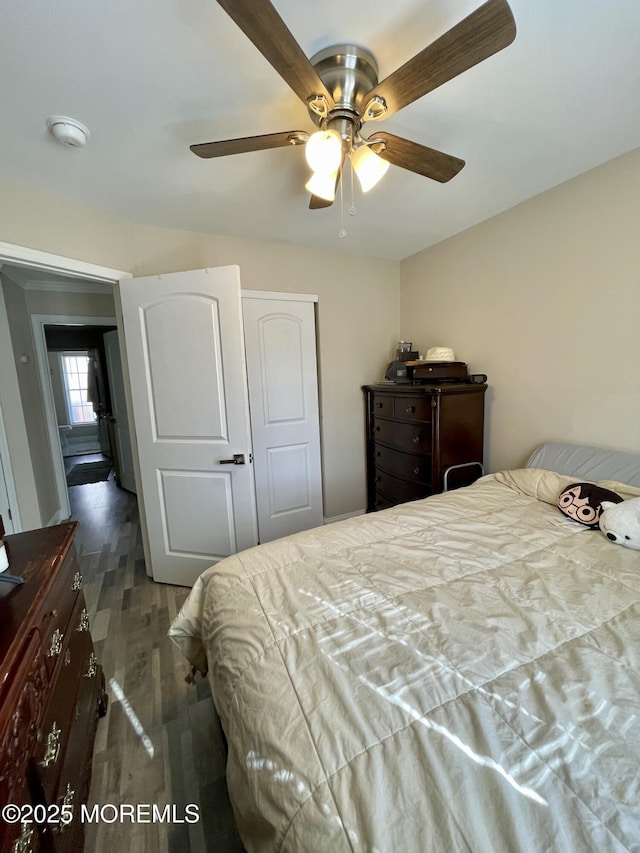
pixel 412 408
pixel 381 502
pixel 61 713
pixel 26 695
pixel 403 436
pixel 61 602
pixel 383 405
pixel 403 465
pixel 399 491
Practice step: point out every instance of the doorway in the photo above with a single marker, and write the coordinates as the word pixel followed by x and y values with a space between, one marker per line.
pixel 83 402
pixel 44 272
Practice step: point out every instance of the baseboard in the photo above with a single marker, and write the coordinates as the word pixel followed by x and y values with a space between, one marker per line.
pixel 343 517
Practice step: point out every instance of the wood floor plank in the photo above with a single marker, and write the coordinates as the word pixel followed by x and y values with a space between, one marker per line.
pixel 130 616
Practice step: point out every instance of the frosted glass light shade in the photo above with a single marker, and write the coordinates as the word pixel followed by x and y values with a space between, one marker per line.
pixel 368 167
pixel 324 186
pixel 324 151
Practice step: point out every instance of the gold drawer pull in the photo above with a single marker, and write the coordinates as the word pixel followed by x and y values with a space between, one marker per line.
pixel 410 410
pixel 56 643
pixel 416 439
pixel 77 581
pixel 53 746
pixel 22 844
pixel 83 624
pixel 92 666
pixel 69 794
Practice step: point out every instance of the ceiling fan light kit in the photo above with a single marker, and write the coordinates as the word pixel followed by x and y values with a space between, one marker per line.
pixel 368 166
pixel 340 88
pixel 323 151
pixel 323 185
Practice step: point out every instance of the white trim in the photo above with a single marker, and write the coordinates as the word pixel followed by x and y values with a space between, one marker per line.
pixel 38 322
pixel 24 256
pixel 68 287
pixel 8 479
pixel 272 294
pixel 343 517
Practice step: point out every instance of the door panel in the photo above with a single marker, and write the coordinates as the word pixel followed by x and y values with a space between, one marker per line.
pixel 280 342
pixel 178 413
pixel 183 335
pixel 208 493
pixel 289 478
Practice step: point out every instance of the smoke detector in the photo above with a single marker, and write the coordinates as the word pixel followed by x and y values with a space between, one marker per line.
pixel 68 131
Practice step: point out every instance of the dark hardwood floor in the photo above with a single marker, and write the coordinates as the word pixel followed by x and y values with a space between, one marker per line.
pixel 160 742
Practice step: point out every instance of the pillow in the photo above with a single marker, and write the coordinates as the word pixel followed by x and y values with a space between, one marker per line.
pixel 582 502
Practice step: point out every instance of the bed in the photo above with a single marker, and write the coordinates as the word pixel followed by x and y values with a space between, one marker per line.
pixel 460 673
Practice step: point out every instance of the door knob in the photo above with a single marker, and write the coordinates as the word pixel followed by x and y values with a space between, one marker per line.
pixel 238 459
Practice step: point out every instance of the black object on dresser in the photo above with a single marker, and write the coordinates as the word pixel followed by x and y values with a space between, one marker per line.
pixel 51 694
pixel 419 436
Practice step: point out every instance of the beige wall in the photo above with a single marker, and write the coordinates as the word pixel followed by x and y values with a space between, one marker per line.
pixel 358 307
pixel 544 299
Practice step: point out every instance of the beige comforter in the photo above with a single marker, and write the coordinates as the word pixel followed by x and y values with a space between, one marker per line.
pixel 456 674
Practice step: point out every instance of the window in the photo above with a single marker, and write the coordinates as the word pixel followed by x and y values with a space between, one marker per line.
pixel 75 370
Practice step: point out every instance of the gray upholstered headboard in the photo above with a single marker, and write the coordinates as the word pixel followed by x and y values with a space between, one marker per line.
pixel 589 463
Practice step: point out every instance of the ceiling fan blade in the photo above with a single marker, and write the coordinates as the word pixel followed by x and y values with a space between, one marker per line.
pixel 484 32
pixel 249 143
pixel 260 22
pixel 416 158
pixel 316 203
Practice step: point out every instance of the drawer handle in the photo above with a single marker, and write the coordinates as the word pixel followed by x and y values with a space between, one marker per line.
pixel 56 644
pixel 92 666
pixel 66 807
pixel 378 479
pixel 410 410
pixel 416 470
pixel 53 746
pixel 83 624
pixel 377 429
pixel 22 844
pixel 416 439
pixel 379 405
pixel 77 581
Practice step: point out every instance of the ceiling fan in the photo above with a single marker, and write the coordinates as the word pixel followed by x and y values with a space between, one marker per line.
pixel 340 88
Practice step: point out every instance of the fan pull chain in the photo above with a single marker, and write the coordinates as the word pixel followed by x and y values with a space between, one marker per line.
pixel 342 232
pixel 353 210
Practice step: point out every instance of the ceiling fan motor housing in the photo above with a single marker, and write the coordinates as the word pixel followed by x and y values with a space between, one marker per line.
pixel 348 72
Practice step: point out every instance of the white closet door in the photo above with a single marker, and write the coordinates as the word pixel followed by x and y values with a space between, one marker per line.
pixel 280 343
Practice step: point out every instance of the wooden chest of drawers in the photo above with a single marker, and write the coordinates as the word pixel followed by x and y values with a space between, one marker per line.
pixel 51 693
pixel 417 435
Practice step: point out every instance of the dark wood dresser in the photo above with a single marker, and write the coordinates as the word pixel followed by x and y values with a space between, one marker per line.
pixel 51 694
pixel 419 436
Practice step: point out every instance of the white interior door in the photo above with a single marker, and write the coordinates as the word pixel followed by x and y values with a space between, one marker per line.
pixel 185 355
pixel 119 412
pixel 280 343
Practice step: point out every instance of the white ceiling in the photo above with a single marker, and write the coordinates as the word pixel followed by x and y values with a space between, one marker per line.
pixel 150 78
